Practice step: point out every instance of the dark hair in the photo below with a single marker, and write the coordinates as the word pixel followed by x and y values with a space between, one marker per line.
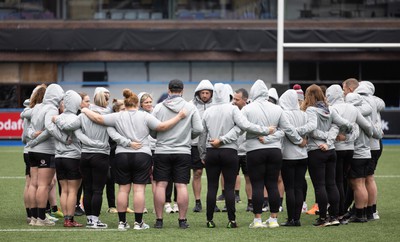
pixel 175 85
pixel 313 95
pixel 131 99
pixel 82 94
pixel 245 94
pixel 37 95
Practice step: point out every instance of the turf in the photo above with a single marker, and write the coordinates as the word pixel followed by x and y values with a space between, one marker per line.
pixel 14 228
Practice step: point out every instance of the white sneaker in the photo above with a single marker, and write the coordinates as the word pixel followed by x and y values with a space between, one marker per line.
pixel 271 223
pixel 257 225
pixel 44 222
pixel 304 209
pixel 140 226
pixel 99 225
pixel 51 218
pixel 280 209
pixel 175 208
pixel 376 215
pixel 168 208
pixel 265 209
pixel 123 226
pixel 33 221
pixel 145 210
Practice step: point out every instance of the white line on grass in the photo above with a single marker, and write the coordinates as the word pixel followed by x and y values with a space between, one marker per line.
pixel 56 230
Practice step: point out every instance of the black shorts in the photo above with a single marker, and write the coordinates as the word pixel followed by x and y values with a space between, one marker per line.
pixel 172 167
pixel 68 169
pixel 375 154
pixel 132 168
pixel 196 163
pixel 243 164
pixel 41 160
pixel 27 165
pixel 358 168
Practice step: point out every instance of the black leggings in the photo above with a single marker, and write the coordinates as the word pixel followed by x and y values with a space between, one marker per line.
pixel 168 192
pixel 223 160
pixel 94 168
pixel 264 166
pixel 293 173
pixel 322 169
pixel 344 158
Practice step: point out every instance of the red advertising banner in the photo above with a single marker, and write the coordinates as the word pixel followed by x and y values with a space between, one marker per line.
pixel 10 125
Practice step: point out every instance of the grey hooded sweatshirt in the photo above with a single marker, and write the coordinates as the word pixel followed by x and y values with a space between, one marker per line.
pixel 362 146
pixel 222 117
pixel 335 98
pixel 296 117
pixel 199 104
pixel 366 89
pixel 41 120
pixel 265 113
pixel 177 140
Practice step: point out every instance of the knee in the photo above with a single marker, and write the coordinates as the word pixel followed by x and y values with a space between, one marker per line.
pixel 197 173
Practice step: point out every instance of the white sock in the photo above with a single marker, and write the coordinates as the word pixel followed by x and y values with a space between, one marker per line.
pixel 257 220
pixel 273 219
pixel 95 219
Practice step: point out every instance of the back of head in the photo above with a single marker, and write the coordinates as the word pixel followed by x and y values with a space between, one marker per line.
pixel 351 83
pixel 273 95
pixel 131 99
pixel 117 105
pixel 175 86
pixel 100 99
pixel 37 95
pixel 313 95
pixel 299 91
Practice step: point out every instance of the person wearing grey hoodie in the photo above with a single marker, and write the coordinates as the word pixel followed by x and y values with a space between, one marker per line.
pixel 377 104
pixel 173 151
pixel 294 159
pixel 218 121
pixel 41 154
pixel 321 123
pixel 344 144
pixel 264 159
pixel 202 100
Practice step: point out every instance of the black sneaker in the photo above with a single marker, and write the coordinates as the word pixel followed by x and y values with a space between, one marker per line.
pixel 237 198
pixel 343 221
pixel 79 211
pixel 210 224
pixel 221 198
pixel 197 208
pixel 296 223
pixel 333 221
pixel 232 225
pixel 224 209
pixel 288 223
pixel 355 219
pixel 216 209
pixel 158 224
pixel 249 207
pixel 321 222
pixel 183 224
pixel 370 217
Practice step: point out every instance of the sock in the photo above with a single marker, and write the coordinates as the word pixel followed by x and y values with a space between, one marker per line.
pixel 365 212
pixel 42 213
pixel 138 217
pixel 359 212
pixel 28 212
pixel 48 206
pixel 223 192
pixel 198 201
pixel 266 202
pixel 369 211
pixel 237 192
pixel 280 204
pixel 66 217
pixel 34 212
pixel 249 201
pixel 374 208
pixel 159 219
pixel 122 216
pixel 71 218
pixel 257 220
pixel 54 208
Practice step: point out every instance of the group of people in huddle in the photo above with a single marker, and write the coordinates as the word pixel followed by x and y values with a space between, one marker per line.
pixel 335 134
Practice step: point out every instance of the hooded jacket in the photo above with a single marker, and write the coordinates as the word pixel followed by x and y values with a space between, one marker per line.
pixel 267 114
pixel 222 117
pixel 296 117
pixel 335 98
pixel 199 104
pixel 41 120
pixel 177 140
pixel 366 89
pixel 362 145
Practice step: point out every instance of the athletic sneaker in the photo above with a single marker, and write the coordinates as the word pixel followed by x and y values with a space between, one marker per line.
pixel 216 209
pixel 304 209
pixel 57 214
pixel 321 222
pixel 79 211
pixel 237 198
pixel 280 209
pixel 69 223
pixel 128 210
pixel 175 208
pixel 265 208
pixel 89 223
pixel 145 210
pixel 44 222
pixel 210 224
pixel 249 207
pixel 168 208
pixel 123 226
pixel 51 218
pixel 334 221
pixel 224 209
pixel 97 225
pixel 183 224
pixel 28 220
pixel 355 219
pixel 232 225
pixel 140 226
pixel 221 198
pixel 112 210
pixel 272 223
pixel 376 215
pixel 257 225
pixel 313 209
pixel 158 224
pixel 33 221
pixel 197 208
